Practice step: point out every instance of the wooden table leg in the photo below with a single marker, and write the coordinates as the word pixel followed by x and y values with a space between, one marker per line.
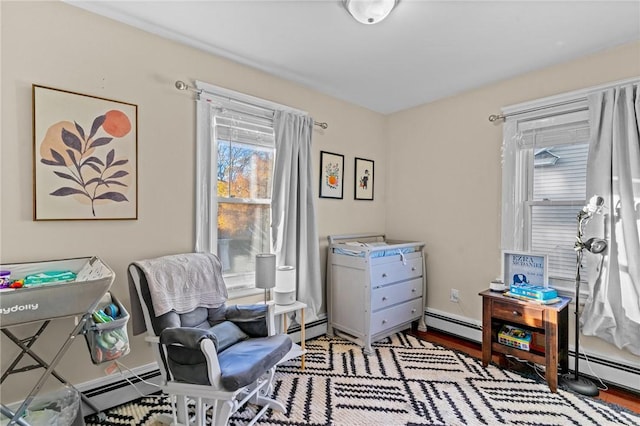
pixel 551 343
pixel 486 331
pixel 563 340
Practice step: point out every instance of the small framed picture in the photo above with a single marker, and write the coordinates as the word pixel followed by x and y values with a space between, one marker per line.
pixel 331 175
pixel 525 268
pixel 363 179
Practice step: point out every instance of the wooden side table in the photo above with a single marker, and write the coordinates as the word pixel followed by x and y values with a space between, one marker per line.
pixel 296 350
pixel 550 320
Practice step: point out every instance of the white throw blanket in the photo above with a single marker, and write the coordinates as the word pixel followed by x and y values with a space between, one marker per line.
pixel 183 282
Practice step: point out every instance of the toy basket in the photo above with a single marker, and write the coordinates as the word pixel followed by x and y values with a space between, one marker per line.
pixel 107 340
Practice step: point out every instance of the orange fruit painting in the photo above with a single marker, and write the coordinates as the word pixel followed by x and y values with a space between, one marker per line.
pixel 116 123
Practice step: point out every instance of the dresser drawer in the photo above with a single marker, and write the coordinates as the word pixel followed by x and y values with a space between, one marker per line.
pixel 392 272
pixel 389 295
pixel 396 315
pixel 517 313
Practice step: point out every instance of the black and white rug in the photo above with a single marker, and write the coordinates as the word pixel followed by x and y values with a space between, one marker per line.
pixel 406 381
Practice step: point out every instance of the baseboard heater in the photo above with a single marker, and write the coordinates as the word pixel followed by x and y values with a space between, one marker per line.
pixel 619 374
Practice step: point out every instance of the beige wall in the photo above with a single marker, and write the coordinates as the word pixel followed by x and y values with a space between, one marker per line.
pixel 437 166
pixel 57 45
pixel 445 176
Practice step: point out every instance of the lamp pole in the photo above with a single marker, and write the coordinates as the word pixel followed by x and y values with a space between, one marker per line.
pixel 576 383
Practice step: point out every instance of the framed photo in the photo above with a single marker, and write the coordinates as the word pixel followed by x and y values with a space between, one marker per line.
pixel 363 179
pixel 85 156
pixel 525 268
pixel 331 175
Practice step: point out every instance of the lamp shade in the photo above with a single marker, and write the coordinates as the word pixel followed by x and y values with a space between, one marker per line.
pixel 596 245
pixel 265 270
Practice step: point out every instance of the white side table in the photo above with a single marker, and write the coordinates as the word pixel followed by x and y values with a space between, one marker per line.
pixel 296 350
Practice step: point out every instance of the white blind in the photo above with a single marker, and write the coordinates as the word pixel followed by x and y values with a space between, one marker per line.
pixel 242 129
pixel 556 191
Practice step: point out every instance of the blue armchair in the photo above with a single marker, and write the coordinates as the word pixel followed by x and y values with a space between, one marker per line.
pixel 212 359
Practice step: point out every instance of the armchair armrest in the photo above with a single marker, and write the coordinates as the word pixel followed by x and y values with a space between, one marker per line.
pixel 252 319
pixel 185 336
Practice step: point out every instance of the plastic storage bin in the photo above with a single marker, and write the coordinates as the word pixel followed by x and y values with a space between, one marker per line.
pixel 108 341
pixel 59 408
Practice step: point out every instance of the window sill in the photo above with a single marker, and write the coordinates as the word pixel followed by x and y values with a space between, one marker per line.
pixel 240 293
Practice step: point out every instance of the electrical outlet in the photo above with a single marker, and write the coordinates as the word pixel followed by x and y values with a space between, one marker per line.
pixel 454 297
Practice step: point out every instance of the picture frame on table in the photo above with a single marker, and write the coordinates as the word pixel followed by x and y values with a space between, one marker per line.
pixel 523 267
pixel 85 156
pixel 364 179
pixel 331 175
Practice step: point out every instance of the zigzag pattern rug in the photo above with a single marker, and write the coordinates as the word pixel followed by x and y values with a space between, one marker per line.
pixel 406 381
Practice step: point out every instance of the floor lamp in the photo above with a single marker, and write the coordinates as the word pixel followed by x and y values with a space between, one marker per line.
pixel 573 381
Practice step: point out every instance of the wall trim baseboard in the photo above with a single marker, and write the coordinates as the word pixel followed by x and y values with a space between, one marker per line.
pixel 618 373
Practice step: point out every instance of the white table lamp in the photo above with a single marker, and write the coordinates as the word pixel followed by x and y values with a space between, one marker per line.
pixel 265 272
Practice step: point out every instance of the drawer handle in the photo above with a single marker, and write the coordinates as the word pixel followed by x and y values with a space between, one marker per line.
pixel 384 298
pixel 413 311
pixel 384 321
pixel 413 290
pixel 384 275
pixel 413 268
pixel 516 313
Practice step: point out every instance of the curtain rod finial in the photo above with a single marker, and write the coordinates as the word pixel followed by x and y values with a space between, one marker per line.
pixel 494 117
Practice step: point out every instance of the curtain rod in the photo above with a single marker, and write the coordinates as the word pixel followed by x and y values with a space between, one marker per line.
pixel 494 117
pixel 181 85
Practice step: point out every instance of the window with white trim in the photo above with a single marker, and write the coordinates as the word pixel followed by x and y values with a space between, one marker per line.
pixel 236 152
pixel 244 169
pixel 548 186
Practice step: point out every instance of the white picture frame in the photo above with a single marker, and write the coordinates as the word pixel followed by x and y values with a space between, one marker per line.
pixel 519 267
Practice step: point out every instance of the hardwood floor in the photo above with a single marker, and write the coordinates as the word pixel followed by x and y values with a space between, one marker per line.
pixel 613 395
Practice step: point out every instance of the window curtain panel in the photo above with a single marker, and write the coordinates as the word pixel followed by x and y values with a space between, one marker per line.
pixel 612 310
pixel 293 212
pixel 204 219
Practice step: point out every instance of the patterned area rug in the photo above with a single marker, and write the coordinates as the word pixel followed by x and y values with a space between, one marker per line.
pixel 406 381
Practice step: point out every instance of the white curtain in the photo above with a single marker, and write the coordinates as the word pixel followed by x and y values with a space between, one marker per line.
pixel 612 311
pixel 293 213
pixel 204 217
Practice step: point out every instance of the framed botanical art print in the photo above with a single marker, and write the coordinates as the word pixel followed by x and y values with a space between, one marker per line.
pixel 85 156
pixel 331 175
pixel 363 179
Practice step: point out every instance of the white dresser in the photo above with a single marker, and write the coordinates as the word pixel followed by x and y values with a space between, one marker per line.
pixel 375 288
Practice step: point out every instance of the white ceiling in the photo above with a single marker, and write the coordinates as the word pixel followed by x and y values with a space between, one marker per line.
pixel 424 51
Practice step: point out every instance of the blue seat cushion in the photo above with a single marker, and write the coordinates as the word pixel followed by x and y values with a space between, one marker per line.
pixel 226 335
pixel 244 362
pixel 240 364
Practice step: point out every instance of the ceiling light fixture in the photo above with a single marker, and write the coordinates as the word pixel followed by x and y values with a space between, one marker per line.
pixel 369 11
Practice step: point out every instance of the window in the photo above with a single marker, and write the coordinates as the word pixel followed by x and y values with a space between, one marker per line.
pixel 547 186
pixel 244 169
pixel 236 152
